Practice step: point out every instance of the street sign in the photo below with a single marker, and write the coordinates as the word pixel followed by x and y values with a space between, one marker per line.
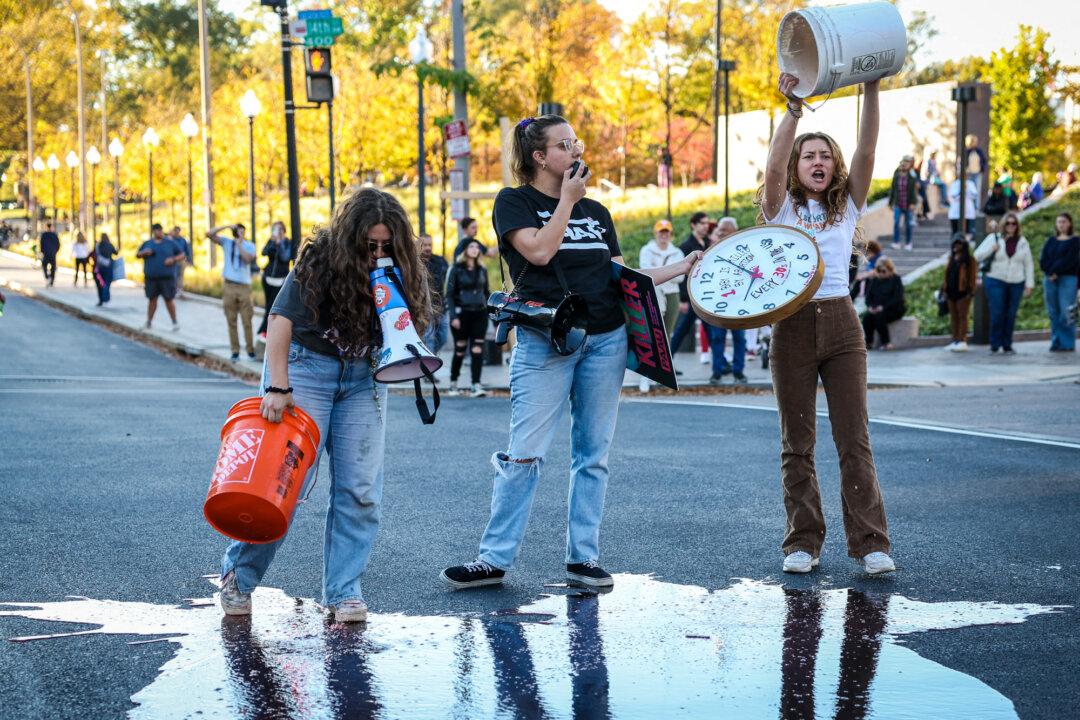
pixel 297 28
pixel 457 183
pixel 318 40
pixel 324 26
pixel 456 134
pixel 309 14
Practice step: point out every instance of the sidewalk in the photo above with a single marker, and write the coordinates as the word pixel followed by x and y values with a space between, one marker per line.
pixel 203 333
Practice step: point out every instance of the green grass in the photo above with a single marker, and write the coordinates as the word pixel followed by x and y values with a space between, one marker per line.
pixel 1036 227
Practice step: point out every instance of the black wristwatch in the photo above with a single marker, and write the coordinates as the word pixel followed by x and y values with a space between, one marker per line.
pixel 271 389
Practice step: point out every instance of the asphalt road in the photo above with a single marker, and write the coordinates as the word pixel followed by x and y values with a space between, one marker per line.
pixel 107 449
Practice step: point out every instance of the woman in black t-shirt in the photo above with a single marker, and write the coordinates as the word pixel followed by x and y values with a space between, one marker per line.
pixel 322 336
pixel 466 301
pixel 546 222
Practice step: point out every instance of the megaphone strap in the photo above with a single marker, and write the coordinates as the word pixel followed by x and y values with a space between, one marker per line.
pixel 426 416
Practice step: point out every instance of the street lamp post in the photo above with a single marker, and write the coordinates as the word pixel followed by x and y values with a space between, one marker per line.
pixel 250 106
pixel 420 49
pixel 72 161
pixel 93 157
pixel 38 166
pixel 726 66
pixel 190 129
pixel 116 149
pixel 150 140
pixel 54 165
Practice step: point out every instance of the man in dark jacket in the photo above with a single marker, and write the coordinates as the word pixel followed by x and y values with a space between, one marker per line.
pixel 903 198
pixel 50 246
pixel 439 330
pixel 697 240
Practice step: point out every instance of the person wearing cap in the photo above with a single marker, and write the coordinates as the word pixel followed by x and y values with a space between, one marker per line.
pixel 656 253
pixel 903 198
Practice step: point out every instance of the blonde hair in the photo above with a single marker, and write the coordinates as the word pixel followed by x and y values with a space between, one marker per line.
pixel 887 264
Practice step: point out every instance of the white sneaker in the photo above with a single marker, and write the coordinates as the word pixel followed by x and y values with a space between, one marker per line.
pixel 453 390
pixel 951 346
pixel 960 346
pixel 478 390
pixel 800 562
pixel 878 562
pixel 350 611
pixel 706 358
pixel 175 327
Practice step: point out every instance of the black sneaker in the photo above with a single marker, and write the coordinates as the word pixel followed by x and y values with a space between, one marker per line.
pixel 252 356
pixel 234 357
pixel 474 574
pixel 740 378
pixel 589 573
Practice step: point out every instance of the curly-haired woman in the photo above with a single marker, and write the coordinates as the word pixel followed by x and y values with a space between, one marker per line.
pixel 557 241
pixel 322 338
pixel 807 186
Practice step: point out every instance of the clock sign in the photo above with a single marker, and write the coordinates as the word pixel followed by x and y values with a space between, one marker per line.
pixel 755 277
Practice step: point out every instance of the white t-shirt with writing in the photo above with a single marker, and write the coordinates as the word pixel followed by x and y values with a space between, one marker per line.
pixel 833 241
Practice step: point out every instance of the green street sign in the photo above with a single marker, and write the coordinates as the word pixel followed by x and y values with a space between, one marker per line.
pixel 324 26
pixel 318 40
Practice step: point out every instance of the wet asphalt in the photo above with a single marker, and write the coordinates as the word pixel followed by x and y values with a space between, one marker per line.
pixel 107 448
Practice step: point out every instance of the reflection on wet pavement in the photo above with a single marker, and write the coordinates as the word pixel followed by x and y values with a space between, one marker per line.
pixel 649 649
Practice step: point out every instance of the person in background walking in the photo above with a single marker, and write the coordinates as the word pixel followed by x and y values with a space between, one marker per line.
pixel 280 253
pixel 903 197
pixel 718 335
pixel 1010 278
pixel 975 158
pixel 656 253
pixel 469 229
pixel 49 247
pixel 104 257
pixel 958 287
pixel 924 208
pixel 884 303
pixel 697 240
pixel 159 255
pixel 971 194
pixel 997 203
pixel 80 251
pixel 466 302
pixel 236 291
pixel 1060 263
pixel 181 242
pixel 437 268
pixel 933 176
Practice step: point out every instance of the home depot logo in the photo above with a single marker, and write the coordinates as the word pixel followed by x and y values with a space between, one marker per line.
pixel 236 461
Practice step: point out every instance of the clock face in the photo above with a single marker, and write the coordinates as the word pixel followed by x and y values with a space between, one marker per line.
pixel 755 277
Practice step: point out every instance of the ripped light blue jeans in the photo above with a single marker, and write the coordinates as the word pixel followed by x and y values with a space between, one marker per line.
pixel 340 397
pixel 541 381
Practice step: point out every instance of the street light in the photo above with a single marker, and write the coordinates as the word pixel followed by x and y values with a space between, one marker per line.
pixel 93 157
pixel 116 149
pixel 250 106
pixel 420 50
pixel 190 129
pixel 54 165
pixel 150 141
pixel 72 160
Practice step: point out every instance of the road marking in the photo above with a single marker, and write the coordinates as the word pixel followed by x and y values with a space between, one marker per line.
pixel 88 378
pixel 895 422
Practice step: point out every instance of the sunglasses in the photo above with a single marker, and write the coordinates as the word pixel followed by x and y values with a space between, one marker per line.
pixel 570 146
pixel 387 247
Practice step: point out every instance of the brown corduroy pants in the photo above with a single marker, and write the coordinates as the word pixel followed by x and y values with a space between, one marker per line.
pixel 958 318
pixel 824 339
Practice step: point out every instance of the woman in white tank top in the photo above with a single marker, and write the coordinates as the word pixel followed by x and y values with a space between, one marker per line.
pixel 808 186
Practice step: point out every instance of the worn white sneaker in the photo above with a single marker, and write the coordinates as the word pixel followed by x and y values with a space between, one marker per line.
pixel 878 562
pixel 350 611
pixel 453 390
pixel 951 346
pixel 175 327
pixel 800 562
pixel 233 602
pixel 643 385
pixel 478 390
pixel 706 358
pixel 960 346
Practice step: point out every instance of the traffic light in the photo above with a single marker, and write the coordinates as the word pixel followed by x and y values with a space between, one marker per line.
pixel 276 4
pixel 320 82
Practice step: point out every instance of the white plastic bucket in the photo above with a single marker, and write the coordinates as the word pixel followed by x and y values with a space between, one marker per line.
pixel 832 47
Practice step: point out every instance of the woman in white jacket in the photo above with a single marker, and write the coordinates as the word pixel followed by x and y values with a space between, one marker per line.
pixel 1010 278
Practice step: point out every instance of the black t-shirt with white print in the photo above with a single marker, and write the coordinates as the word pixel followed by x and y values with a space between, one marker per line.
pixel 589 243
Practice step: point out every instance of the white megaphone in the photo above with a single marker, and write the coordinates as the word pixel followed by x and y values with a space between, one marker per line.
pixel 404 356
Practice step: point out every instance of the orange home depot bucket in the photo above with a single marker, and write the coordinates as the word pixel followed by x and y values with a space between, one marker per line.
pixel 259 472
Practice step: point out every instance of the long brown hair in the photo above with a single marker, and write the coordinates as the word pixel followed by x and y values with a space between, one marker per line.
pixel 1005 219
pixel 836 194
pixel 530 135
pixel 333 265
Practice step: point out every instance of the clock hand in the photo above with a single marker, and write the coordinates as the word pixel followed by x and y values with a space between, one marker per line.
pixel 748 288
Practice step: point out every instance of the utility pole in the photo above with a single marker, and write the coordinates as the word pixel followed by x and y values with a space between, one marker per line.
pixel 461 109
pixel 208 148
pixel 716 96
pixel 290 122
pixel 31 205
pixel 82 120
pixel 330 146
pixel 104 131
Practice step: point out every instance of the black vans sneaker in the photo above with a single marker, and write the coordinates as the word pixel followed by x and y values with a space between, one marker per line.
pixel 474 574
pixel 589 573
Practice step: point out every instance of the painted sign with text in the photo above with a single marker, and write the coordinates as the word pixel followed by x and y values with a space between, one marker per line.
pixel 647 351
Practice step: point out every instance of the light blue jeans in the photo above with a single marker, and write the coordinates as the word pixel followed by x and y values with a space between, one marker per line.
pixel 1060 298
pixel 340 397
pixel 906 214
pixel 438 332
pixel 540 383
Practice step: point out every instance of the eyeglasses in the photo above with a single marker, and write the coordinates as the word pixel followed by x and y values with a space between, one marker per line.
pixel 1011 222
pixel 570 145
pixel 387 247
